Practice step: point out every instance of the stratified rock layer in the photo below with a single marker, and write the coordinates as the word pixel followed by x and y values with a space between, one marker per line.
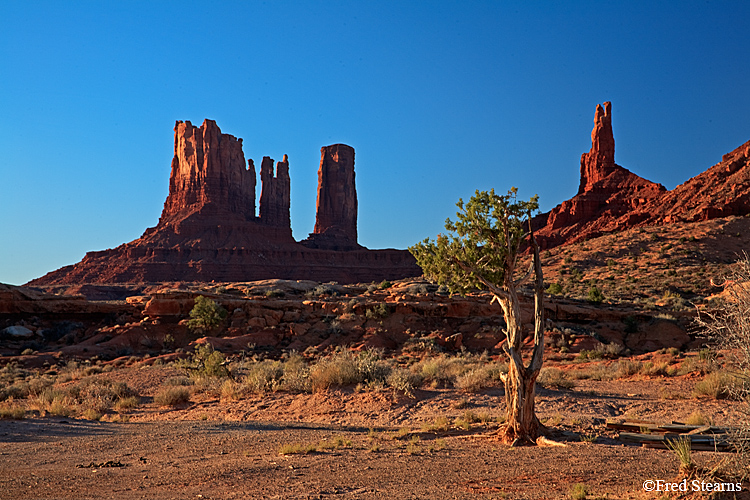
pixel 208 230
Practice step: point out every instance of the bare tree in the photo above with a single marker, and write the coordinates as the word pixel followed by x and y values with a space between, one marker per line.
pixel 729 326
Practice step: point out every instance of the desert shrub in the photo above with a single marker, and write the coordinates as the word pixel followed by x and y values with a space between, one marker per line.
pixel 719 385
pixel 264 376
pixel 421 289
pixel 179 380
pixel 443 369
pixel 385 284
pixel 127 403
pixel 345 367
pixel 12 413
pixel 205 362
pixel 172 396
pixel 595 295
pixel 593 372
pixel 274 293
pixel 579 491
pixel 296 376
pixel 440 424
pixel 698 418
pixel 554 377
pixel 99 394
pixel 625 368
pixel 379 311
pixel 403 380
pixel 555 289
pixel 323 290
pixel 589 355
pixel 473 380
pixel 55 401
pixel 206 314
pixel 230 390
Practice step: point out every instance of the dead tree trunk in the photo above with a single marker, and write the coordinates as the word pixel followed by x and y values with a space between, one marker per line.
pixel 521 425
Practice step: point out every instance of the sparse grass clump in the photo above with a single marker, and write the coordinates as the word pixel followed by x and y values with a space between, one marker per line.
pixel 172 396
pixel 12 413
pixel 698 418
pixel 682 448
pixel 717 385
pixel 334 443
pixel 579 491
pixel 90 398
pixel 554 378
pixel 440 424
pixel 297 449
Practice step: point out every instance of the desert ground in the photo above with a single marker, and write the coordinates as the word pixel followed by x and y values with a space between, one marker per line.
pixel 437 442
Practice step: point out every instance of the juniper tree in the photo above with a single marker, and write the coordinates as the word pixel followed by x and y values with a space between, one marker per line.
pixel 480 251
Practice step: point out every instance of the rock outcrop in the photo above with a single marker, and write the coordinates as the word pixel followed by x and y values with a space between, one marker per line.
pixel 611 198
pixel 274 197
pixel 599 162
pixel 606 192
pixel 208 229
pixel 208 174
pixel 336 207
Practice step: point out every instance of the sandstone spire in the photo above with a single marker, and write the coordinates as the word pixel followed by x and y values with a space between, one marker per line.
pixel 599 162
pixel 208 173
pixel 274 196
pixel 336 210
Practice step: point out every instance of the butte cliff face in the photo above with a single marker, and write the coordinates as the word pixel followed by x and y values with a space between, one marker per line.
pixel 208 174
pixel 208 229
pixel 611 198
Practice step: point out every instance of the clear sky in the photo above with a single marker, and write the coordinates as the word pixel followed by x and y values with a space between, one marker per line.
pixel 438 99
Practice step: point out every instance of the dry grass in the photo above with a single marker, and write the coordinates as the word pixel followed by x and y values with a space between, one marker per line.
pixel 718 385
pixel 172 396
pixel 554 378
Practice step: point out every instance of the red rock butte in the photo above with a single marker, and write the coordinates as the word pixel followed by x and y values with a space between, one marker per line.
pixel 208 230
pixel 611 198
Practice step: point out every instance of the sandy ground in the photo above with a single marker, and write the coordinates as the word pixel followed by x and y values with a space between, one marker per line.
pixel 215 449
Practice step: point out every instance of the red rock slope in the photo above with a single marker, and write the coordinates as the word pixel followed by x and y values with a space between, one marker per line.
pixel 208 229
pixel 611 198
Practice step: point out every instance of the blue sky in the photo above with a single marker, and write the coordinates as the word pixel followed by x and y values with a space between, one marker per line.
pixel 438 99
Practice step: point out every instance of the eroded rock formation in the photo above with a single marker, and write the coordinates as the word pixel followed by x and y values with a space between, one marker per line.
pixel 606 191
pixel 208 229
pixel 274 197
pixel 336 207
pixel 611 198
pixel 599 162
pixel 208 174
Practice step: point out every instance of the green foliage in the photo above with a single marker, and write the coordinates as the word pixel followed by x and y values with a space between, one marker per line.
pixel 379 311
pixel 481 245
pixel 595 295
pixel 579 491
pixel 206 314
pixel 205 363
pixel 555 289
